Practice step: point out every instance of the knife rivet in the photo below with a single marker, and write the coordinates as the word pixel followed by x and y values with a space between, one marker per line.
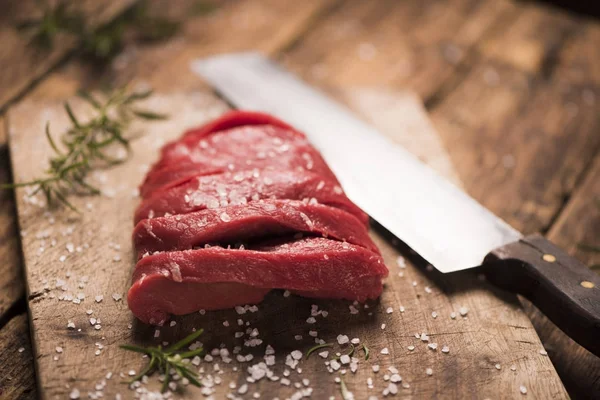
pixel 587 284
pixel 549 258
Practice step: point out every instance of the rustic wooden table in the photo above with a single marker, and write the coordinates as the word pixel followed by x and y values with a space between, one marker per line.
pixel 512 88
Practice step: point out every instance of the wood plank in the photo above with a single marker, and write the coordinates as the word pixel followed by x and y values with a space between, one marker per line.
pixel 17 378
pixel 11 274
pixel 577 224
pixel 495 330
pixel 21 62
pixel 411 45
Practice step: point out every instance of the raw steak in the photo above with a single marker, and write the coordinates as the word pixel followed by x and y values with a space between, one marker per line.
pixel 248 223
pixel 239 207
pixel 230 188
pixel 240 148
pixel 183 282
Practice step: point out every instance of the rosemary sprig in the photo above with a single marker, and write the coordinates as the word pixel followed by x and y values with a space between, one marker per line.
pixel 86 145
pixel 317 347
pixel 169 359
pixel 99 44
pixel 366 350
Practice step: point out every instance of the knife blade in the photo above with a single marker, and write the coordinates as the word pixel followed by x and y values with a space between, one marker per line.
pixel 441 223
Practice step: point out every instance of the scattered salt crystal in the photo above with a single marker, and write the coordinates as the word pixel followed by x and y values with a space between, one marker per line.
pixel 513 367
pixel 335 365
pixel 429 371
pixel 396 378
pixel 401 262
pixel 427 289
pixel 286 293
pixel 411 348
pixel 313 333
pixel 375 368
pixel 389 310
pixel 70 325
pixel 543 352
pixel 424 337
pixel 157 333
pixel 99 298
pixel 523 389
pixel 498 366
pixel 342 339
pixel 445 349
pixel 434 315
pixel 298 337
pixel 355 341
pixel 59 349
pixel 432 346
pixel 414 283
pixel 62 258
pixel 117 296
pixel 382 326
pixel 402 309
pixel 453 315
pixel 311 320
pixel 385 351
pixel 21 349
pixel 172 324
pixel 345 359
pixel 463 311
pixel 131 372
pixel 225 323
pixel 74 395
pixel 296 354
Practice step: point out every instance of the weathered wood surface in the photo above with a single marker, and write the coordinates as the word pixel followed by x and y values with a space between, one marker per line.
pixel 11 275
pixel 22 62
pixel 495 331
pixel 577 230
pixel 17 380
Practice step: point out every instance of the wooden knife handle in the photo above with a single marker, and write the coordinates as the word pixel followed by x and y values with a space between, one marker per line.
pixel 559 285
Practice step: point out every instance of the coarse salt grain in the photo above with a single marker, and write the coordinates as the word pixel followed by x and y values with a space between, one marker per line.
pixel 498 366
pixel 543 352
pixel 59 349
pixel 311 320
pixel 445 349
pixel 429 371
pixel 389 310
pixel 523 389
pixel 74 395
pixel 99 298
pixel 463 311
pixel 385 351
pixel 434 315
pixel 342 339
pixel 411 348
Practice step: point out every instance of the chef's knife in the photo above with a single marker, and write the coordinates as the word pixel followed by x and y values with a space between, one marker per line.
pixel 442 224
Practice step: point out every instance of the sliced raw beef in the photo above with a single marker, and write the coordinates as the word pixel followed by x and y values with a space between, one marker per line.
pixel 234 119
pixel 248 223
pixel 182 282
pixel 240 148
pixel 239 207
pixel 238 188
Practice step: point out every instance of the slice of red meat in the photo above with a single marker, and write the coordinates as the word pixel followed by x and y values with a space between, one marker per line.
pixel 182 282
pixel 234 119
pixel 248 223
pixel 229 188
pixel 236 149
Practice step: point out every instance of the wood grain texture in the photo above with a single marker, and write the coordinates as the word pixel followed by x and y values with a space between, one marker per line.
pixel 21 61
pixel 11 274
pixel 495 330
pixel 394 44
pixel 578 223
pixel 17 379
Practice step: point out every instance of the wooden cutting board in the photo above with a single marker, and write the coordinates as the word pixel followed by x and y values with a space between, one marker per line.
pixel 493 348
